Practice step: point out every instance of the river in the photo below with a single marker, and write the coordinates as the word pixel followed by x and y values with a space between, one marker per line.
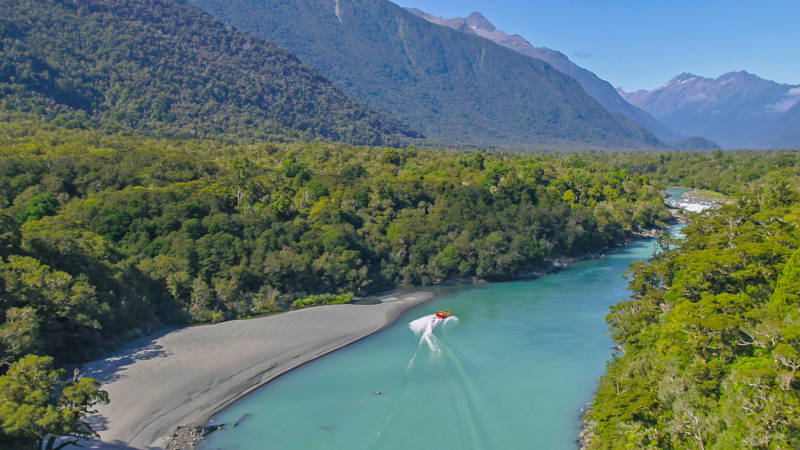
pixel 511 372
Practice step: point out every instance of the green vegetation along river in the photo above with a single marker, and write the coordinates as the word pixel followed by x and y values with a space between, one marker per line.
pixel 512 372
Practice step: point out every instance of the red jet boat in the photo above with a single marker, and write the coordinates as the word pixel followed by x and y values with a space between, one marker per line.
pixel 443 314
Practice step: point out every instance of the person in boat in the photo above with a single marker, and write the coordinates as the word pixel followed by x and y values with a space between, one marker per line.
pixel 443 313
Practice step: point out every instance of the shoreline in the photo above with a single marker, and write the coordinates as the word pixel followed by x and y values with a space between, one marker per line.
pixel 180 379
pixel 405 299
pixel 184 423
pixel 188 437
pixel 587 426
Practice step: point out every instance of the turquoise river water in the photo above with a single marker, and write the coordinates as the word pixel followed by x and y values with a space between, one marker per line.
pixel 511 372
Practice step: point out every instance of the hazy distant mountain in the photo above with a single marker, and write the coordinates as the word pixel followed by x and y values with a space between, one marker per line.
pixel 694 143
pixel 454 87
pixel 737 110
pixel 601 90
pixel 162 67
pixel 785 132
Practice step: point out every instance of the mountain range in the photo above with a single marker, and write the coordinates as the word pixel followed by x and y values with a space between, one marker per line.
pixel 165 68
pixel 737 110
pixel 453 87
pixel 599 89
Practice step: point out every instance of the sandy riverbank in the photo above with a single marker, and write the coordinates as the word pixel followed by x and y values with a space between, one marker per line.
pixel 185 376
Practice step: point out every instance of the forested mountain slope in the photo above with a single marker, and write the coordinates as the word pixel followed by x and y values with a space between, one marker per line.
pixel 164 68
pixel 454 87
pixel 599 89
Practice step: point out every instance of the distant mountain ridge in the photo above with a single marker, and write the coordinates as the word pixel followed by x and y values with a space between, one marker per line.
pixel 599 89
pixel 737 109
pixel 453 87
pixel 161 67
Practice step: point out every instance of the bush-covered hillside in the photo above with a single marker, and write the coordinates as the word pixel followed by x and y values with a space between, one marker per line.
pixel 160 67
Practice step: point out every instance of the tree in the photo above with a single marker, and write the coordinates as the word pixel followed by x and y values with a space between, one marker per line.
pixel 41 205
pixel 37 405
pixel 10 235
pixel 51 309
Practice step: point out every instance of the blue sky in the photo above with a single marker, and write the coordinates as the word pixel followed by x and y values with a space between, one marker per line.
pixel 641 44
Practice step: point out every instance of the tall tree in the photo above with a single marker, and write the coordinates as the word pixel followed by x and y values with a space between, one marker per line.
pixel 37 405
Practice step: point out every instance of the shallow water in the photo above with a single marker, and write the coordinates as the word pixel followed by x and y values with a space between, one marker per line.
pixel 675 198
pixel 512 372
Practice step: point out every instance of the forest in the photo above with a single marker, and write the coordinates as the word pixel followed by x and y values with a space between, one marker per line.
pixel 164 68
pixel 708 341
pixel 104 238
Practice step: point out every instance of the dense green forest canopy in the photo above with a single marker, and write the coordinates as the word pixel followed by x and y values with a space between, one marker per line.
pixel 103 235
pixel 710 339
pixel 163 68
pixel 729 173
